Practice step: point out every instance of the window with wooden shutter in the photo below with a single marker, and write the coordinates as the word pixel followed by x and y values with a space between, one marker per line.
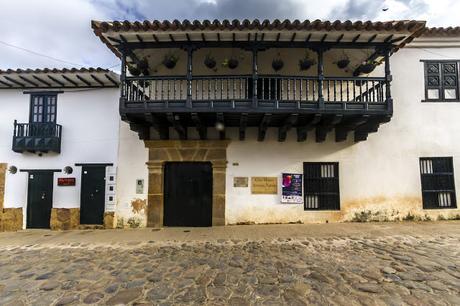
pixel 441 81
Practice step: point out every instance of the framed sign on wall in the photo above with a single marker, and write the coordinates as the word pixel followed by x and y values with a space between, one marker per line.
pixel 292 188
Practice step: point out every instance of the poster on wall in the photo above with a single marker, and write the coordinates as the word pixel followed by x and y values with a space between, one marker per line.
pixel 292 188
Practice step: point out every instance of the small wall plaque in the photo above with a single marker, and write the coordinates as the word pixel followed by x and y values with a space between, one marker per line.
pixel 264 185
pixel 66 181
pixel 240 181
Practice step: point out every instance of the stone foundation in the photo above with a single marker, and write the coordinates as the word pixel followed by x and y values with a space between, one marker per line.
pixel 109 220
pixel 65 218
pixel 10 219
pixel 162 151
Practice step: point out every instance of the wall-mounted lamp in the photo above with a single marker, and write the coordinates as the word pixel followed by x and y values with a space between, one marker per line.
pixel 68 170
pixel 13 169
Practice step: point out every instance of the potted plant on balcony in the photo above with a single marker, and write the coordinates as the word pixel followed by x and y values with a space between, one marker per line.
pixel 305 63
pixel 210 61
pixel 170 60
pixel 367 66
pixel 343 62
pixel 231 62
pixel 133 70
pixel 277 63
pixel 143 66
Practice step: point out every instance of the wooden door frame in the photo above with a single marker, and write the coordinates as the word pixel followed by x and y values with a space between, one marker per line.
pixel 162 151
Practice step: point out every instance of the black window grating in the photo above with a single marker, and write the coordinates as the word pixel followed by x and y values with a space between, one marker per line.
pixel 438 184
pixel 321 186
pixel 441 81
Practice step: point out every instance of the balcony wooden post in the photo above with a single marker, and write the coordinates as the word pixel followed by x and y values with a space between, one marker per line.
pixel 254 77
pixel 189 76
pixel 123 73
pixel 388 79
pixel 320 78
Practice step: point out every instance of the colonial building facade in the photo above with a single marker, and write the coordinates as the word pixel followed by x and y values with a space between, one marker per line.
pixel 271 122
pixel 58 148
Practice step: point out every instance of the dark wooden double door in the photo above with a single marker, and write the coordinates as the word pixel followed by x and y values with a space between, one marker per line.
pixel 188 194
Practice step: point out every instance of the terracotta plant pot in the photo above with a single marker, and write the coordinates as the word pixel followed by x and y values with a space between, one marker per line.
pixel 277 64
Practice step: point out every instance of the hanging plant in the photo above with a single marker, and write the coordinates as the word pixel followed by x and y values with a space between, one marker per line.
pixel 305 63
pixel 170 60
pixel 367 66
pixel 133 70
pixel 143 66
pixel 231 62
pixel 277 63
pixel 210 61
pixel 343 62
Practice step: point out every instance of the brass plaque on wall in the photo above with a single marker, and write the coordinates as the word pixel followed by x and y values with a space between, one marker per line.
pixel 264 185
pixel 240 181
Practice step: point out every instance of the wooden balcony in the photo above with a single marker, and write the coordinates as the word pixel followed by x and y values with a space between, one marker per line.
pixel 37 137
pixel 358 104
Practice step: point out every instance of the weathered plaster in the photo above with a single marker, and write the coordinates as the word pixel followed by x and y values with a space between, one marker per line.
pixel 161 152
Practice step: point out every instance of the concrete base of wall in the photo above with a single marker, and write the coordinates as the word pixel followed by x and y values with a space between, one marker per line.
pixel 65 218
pixel 10 219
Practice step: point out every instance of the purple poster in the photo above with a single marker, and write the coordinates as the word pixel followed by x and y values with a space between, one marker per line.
pixel 292 188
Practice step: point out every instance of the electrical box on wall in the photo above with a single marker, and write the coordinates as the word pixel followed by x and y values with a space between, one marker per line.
pixel 139 186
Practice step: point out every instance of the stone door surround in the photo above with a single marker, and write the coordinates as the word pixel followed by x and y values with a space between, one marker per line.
pixel 162 151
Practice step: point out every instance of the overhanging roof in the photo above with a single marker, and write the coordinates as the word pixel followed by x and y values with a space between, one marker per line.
pixel 398 33
pixel 442 32
pixel 58 78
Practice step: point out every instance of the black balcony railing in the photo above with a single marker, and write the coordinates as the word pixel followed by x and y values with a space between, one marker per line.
pixel 37 137
pixel 271 92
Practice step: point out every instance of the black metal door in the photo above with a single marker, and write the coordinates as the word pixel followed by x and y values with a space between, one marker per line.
pixel 188 194
pixel 39 199
pixel 92 195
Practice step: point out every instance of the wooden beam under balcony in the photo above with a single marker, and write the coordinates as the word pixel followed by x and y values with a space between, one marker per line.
pixel 243 124
pixel 159 125
pixel 287 125
pixel 326 126
pixel 174 120
pixel 302 130
pixel 200 127
pixel 263 127
pixel 341 131
pixel 371 126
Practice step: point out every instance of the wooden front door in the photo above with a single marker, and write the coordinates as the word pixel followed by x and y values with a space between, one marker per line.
pixel 188 194
pixel 92 201
pixel 39 199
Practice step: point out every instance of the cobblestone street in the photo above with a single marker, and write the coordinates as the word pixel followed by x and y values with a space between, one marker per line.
pixel 359 265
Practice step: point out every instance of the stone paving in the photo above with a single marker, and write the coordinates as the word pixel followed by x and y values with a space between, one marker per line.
pixel 385 270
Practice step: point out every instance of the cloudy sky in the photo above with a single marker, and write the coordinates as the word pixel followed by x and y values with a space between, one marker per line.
pixel 57 33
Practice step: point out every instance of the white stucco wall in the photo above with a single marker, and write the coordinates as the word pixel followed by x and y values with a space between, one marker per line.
pixel 380 174
pixel 90 126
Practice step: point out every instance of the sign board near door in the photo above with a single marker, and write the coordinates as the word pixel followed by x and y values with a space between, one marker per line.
pixel 264 185
pixel 66 181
